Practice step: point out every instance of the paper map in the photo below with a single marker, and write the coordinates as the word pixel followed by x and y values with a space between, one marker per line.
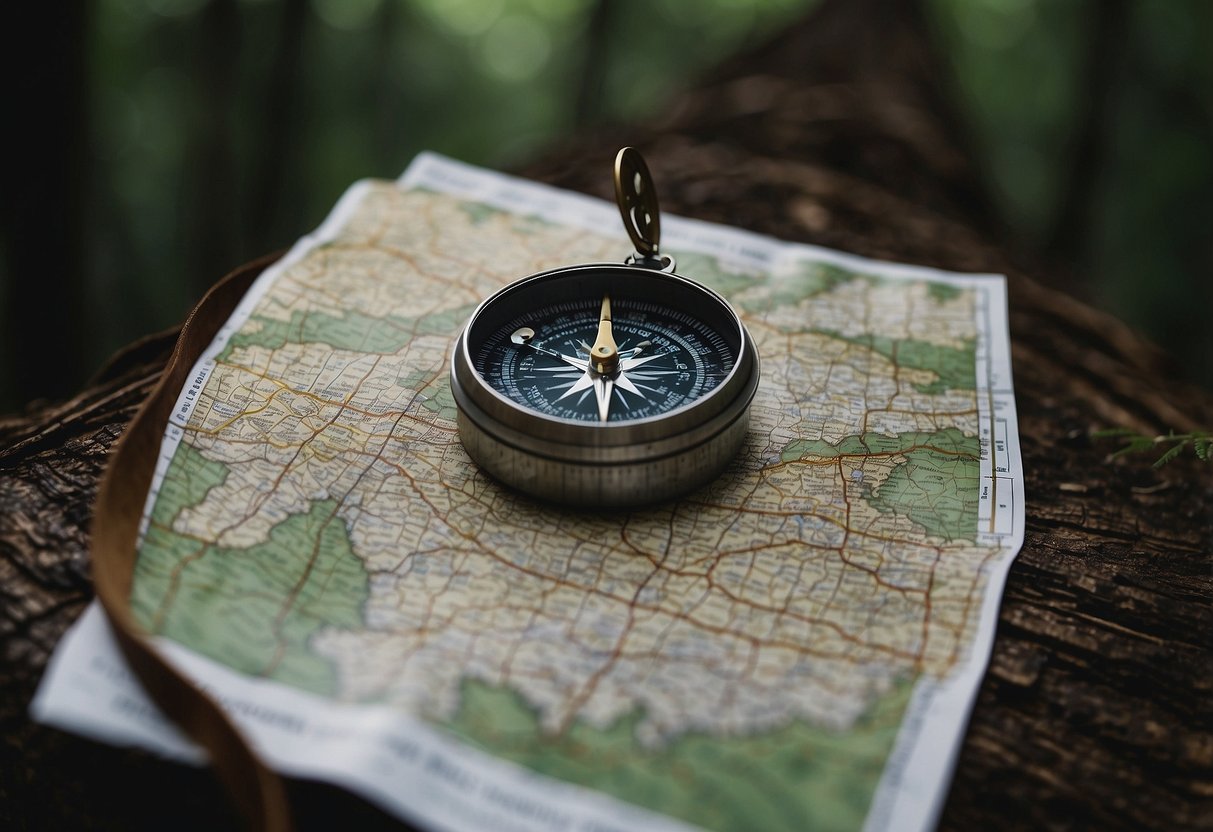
pixel 794 646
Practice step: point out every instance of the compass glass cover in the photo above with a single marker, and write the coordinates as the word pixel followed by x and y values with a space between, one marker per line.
pixel 675 342
pixel 667 358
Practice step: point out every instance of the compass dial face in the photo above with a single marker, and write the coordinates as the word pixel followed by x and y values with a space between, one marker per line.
pixel 604 385
pixel 540 359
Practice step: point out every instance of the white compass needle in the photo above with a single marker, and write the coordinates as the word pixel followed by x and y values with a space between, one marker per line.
pixel 603 387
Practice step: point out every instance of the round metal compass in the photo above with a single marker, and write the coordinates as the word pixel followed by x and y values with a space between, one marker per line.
pixel 606 385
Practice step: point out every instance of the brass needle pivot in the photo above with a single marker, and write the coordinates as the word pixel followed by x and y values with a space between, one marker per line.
pixel 604 355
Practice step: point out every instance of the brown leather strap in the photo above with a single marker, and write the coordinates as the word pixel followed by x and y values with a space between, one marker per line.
pixel 257 790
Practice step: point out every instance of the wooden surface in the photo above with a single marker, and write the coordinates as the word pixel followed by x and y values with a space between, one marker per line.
pixel 1095 712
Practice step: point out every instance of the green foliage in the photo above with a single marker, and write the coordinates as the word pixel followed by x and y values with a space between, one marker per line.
pixel 202 152
pixel 1035 80
pixel 1134 442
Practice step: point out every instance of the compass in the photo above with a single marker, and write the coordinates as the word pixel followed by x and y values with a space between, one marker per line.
pixel 606 385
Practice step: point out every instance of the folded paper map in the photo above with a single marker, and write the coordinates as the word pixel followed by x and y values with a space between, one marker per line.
pixel 795 646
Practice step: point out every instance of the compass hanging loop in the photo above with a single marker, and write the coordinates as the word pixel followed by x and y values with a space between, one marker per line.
pixel 637 199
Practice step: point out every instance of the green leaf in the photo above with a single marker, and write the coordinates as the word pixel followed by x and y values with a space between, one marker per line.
pixel 1201 446
pixel 1170 454
pixel 1135 444
pixel 1112 433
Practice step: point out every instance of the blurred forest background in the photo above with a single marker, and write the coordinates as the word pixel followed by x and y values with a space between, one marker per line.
pixel 156 144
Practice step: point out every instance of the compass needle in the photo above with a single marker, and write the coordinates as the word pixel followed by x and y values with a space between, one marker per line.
pixel 604 355
pixel 602 389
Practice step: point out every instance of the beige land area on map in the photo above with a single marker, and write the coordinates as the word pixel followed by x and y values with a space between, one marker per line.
pixel 320 524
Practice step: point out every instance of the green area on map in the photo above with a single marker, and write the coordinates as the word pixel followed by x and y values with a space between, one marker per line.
pixel 936 486
pixel 955 367
pixel 270 598
pixel 795 777
pixel 352 330
pixel 810 280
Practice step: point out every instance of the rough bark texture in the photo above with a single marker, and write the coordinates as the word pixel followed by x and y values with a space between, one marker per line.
pixel 1095 712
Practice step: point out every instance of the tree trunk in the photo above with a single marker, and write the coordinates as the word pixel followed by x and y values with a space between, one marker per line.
pixel 1095 710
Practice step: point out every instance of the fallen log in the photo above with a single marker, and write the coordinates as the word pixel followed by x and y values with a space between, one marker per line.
pixel 1095 710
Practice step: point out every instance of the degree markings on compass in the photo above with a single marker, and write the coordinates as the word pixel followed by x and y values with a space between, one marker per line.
pixel 648 374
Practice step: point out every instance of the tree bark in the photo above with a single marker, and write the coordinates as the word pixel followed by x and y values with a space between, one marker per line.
pixel 1095 710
